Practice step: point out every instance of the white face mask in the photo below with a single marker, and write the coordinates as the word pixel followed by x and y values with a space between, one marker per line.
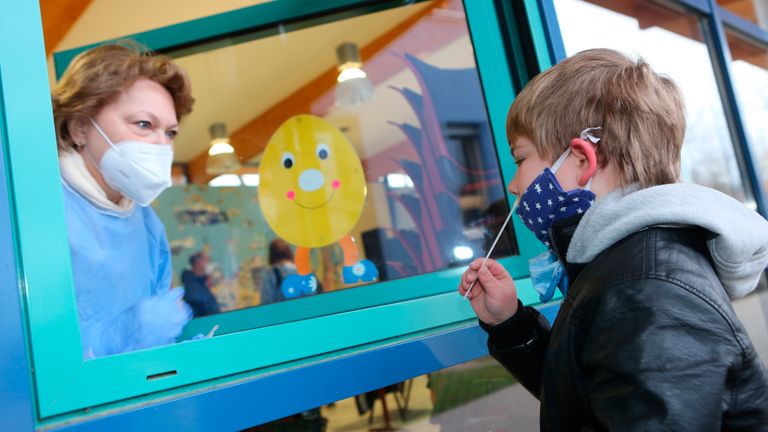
pixel 138 170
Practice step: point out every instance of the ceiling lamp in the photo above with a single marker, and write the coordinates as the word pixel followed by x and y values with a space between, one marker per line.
pixel 221 155
pixel 353 88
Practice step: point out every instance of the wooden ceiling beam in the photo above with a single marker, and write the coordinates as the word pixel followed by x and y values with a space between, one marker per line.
pixel 58 18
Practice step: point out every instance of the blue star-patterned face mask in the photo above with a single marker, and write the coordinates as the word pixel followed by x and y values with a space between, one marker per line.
pixel 545 201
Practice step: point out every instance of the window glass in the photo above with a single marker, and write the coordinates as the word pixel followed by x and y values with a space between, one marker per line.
pixel 476 396
pixel 749 73
pixel 751 311
pixel 413 117
pixel 754 11
pixel 323 155
pixel 659 35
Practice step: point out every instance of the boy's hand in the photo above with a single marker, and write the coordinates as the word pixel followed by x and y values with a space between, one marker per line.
pixel 494 296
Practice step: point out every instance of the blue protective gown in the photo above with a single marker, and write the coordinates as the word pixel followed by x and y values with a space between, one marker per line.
pixel 122 271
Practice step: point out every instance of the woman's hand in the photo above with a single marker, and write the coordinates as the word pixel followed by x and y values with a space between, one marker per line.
pixel 162 317
pixel 494 296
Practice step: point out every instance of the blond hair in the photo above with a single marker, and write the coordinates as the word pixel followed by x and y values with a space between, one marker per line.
pixel 642 114
pixel 96 78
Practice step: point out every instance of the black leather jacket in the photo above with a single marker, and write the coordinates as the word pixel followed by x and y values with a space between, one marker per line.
pixel 646 339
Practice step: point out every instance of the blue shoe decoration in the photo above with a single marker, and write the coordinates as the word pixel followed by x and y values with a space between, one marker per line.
pixel 363 271
pixel 297 285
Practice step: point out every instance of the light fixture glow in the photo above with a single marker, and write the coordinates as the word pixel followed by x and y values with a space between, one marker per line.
pixel 351 73
pixel 353 87
pixel 463 252
pixel 220 148
pixel 250 179
pixel 221 155
pixel 226 180
pixel 397 181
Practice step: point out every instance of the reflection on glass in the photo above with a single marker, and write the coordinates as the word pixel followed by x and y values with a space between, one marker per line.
pixel 478 396
pixel 749 72
pixel 752 312
pixel 754 11
pixel 659 35
pixel 400 90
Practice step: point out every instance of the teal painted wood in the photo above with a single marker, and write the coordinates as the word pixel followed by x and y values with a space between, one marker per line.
pixel 24 83
pixel 405 306
pixel 17 403
pixel 499 93
pixel 343 301
pixel 537 25
pixel 41 248
pixel 192 361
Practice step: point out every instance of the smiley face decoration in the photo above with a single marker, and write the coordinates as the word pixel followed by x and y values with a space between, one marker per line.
pixel 312 191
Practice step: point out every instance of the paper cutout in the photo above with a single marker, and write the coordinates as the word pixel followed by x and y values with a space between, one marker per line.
pixel 312 192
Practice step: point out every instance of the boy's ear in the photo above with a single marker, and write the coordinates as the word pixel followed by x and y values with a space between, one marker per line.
pixel 585 151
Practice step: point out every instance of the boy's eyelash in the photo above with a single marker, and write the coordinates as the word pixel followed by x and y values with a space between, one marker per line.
pixel 519 161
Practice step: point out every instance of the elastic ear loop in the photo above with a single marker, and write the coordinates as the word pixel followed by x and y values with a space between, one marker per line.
pixel 103 135
pixel 560 160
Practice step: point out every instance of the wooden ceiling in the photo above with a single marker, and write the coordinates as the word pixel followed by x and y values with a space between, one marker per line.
pixel 58 17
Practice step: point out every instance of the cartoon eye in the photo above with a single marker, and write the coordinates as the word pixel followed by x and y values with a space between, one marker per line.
pixel 288 160
pixel 323 151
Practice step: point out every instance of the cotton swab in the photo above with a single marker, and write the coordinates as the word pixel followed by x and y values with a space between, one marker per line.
pixel 213 330
pixel 493 246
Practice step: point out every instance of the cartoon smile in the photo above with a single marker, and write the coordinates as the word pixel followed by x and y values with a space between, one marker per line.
pixel 317 206
pixel 314 183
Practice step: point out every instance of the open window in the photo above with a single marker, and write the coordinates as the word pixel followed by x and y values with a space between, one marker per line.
pixel 423 114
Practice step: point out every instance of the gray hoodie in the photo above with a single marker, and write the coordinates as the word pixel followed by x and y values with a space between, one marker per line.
pixel 739 242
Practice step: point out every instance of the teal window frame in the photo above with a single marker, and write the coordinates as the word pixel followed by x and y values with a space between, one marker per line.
pixel 368 316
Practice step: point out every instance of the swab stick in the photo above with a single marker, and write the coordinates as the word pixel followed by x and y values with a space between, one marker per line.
pixel 493 246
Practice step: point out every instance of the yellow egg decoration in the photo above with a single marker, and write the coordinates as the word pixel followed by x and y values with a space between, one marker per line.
pixel 312 192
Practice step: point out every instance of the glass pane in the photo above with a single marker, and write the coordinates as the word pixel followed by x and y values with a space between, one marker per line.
pixel 410 156
pixel 754 11
pixel 659 35
pixel 749 72
pixel 363 143
pixel 412 120
pixel 752 311
pixel 478 396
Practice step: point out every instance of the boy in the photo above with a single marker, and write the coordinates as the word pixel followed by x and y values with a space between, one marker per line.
pixel 645 338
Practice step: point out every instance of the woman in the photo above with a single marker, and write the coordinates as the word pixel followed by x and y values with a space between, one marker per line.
pixel 116 113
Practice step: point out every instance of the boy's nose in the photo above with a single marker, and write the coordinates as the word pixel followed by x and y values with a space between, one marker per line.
pixel 512 187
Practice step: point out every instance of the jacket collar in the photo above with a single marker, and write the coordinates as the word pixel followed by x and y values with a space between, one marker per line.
pixel 561 234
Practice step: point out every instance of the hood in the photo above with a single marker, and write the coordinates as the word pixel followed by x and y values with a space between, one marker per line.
pixel 738 247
